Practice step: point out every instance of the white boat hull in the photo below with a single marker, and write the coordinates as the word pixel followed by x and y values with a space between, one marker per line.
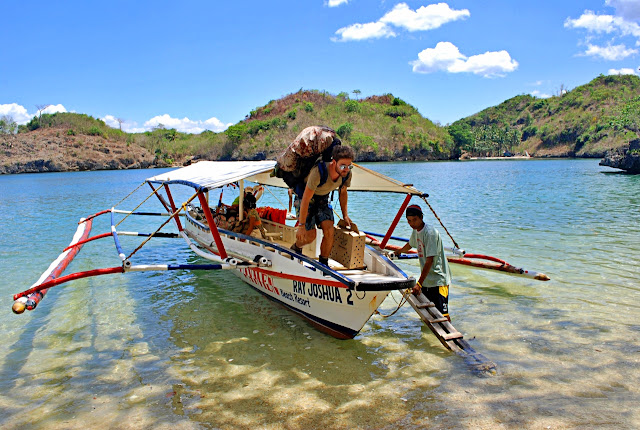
pixel 333 303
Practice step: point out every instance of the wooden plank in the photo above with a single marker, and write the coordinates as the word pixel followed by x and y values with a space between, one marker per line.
pixel 448 335
pixel 438 320
pixel 426 305
pixel 454 335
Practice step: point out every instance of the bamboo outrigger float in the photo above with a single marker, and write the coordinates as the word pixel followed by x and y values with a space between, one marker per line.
pixel 337 299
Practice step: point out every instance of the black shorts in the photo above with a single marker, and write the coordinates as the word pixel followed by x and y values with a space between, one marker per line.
pixel 440 297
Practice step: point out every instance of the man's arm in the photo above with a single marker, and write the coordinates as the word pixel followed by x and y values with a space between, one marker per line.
pixel 344 199
pixel 404 249
pixel 423 274
pixel 304 205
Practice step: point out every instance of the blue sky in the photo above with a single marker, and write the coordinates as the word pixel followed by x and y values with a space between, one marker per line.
pixel 197 65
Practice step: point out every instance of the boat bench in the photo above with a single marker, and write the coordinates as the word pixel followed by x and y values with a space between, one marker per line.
pixel 285 235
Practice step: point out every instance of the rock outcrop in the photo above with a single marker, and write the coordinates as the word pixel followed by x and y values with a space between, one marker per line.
pixel 624 158
pixel 52 150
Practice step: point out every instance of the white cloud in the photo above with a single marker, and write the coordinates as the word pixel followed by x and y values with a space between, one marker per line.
pixel 371 30
pixel 423 18
pixel 447 57
pixel 610 52
pixel 186 125
pixel 21 116
pixel 539 94
pixel 54 109
pixel 604 24
pixel 127 126
pixel 335 3
pixel 628 9
pixel 17 112
pixel 623 71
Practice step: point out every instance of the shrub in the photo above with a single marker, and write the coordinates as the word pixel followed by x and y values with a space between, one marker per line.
pixel 94 131
pixel 352 106
pixel 292 114
pixel 70 132
pixel 235 133
pixel 344 131
pixel 362 141
pixel 308 107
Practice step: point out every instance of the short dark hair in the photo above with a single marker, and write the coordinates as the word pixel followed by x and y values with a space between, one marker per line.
pixel 249 201
pixel 343 151
pixel 414 210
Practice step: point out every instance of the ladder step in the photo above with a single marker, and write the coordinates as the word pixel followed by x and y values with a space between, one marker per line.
pixel 454 335
pixel 425 305
pixel 438 320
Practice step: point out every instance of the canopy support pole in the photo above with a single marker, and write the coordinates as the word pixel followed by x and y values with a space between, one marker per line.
pixel 212 225
pixel 393 225
pixel 162 200
pixel 173 207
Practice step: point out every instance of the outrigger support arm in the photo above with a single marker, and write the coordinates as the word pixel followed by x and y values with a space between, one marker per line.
pixel 395 221
pixel 114 233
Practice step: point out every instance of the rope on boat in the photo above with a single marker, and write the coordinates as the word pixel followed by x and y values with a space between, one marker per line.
pixel 155 191
pixel 440 221
pixel 184 206
pixel 129 195
pixel 275 197
pixel 401 304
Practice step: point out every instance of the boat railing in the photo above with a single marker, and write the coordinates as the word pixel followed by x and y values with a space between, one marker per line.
pixel 278 248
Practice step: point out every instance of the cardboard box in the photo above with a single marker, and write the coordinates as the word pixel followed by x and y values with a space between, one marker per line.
pixel 348 248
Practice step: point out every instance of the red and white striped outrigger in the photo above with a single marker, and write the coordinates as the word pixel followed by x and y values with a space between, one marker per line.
pixel 336 300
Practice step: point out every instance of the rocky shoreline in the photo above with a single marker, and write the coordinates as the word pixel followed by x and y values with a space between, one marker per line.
pixel 53 151
pixel 627 159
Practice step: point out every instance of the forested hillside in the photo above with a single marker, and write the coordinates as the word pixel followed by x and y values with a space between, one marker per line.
pixel 586 121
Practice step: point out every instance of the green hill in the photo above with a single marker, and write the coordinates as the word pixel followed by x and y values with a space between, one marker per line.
pixel 378 128
pixel 586 121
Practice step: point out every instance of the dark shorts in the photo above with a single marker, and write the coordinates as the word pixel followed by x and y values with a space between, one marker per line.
pixel 318 212
pixel 440 297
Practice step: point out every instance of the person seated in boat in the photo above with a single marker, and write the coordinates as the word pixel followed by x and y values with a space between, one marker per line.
pixel 435 275
pixel 315 209
pixel 251 219
pixel 255 191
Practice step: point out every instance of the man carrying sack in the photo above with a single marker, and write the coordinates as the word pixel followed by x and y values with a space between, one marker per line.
pixel 315 209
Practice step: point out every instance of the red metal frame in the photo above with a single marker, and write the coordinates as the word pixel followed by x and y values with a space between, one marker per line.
pixel 155 190
pixel 173 207
pixel 212 225
pixel 82 242
pixel 61 280
pixel 395 221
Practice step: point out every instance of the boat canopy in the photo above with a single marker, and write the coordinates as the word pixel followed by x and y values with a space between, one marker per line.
pixel 207 175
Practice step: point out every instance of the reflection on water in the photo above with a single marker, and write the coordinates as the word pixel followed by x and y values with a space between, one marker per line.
pixel 202 349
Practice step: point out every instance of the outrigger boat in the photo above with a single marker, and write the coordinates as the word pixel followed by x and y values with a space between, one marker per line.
pixel 336 299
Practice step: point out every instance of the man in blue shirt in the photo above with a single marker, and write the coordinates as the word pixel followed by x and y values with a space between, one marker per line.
pixel 435 276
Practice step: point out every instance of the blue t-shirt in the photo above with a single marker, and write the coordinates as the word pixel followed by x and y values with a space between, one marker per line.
pixel 429 244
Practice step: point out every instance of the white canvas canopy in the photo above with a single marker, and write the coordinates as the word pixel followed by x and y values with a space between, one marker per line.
pixel 206 175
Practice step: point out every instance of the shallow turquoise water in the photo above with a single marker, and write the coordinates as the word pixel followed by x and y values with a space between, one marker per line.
pixel 193 350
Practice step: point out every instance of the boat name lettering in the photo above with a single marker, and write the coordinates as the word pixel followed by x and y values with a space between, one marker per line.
pixel 295 298
pixel 325 292
pixel 299 287
pixel 262 279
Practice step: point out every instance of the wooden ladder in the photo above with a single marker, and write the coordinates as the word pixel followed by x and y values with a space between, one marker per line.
pixel 451 338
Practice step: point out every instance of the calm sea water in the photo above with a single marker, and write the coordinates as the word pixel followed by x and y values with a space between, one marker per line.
pixel 203 350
